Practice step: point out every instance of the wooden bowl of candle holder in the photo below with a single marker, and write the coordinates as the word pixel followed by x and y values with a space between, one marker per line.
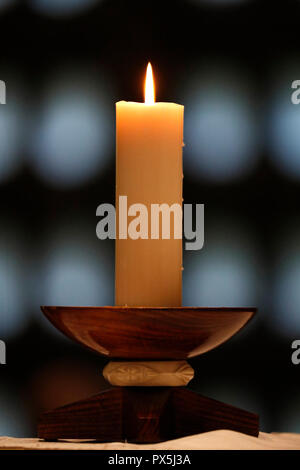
pixel 149 348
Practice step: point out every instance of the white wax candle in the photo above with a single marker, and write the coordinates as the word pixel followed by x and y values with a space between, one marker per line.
pixel 149 140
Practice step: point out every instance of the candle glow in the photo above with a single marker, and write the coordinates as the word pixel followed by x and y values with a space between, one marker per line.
pixel 149 86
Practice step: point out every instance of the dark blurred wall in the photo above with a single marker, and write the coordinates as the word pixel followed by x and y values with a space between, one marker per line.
pixel 231 64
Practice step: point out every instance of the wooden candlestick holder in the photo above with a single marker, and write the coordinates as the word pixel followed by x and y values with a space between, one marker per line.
pixel 149 347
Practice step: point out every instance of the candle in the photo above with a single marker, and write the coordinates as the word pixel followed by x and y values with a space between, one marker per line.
pixel 149 140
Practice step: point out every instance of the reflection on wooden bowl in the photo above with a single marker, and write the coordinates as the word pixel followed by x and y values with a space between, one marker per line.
pixel 149 332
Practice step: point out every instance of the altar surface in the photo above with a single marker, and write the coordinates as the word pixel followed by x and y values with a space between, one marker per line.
pixel 215 440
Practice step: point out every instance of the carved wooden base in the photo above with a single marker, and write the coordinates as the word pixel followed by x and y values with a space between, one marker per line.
pixel 148 373
pixel 143 415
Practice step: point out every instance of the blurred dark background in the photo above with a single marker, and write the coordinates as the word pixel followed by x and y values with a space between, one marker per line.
pixel 231 63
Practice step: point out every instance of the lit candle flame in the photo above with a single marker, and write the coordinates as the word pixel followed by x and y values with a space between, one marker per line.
pixel 149 86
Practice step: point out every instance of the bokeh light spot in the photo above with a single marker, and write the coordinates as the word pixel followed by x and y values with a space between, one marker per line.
pixel 12 130
pixel 221 126
pixel 15 419
pixel 6 3
pixel 219 3
pixel 227 271
pixel 285 299
pixel 13 299
pixel 75 268
pixel 284 122
pixel 72 141
pixel 62 8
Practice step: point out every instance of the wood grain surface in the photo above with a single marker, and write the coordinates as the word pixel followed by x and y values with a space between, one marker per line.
pixel 144 415
pixel 149 333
